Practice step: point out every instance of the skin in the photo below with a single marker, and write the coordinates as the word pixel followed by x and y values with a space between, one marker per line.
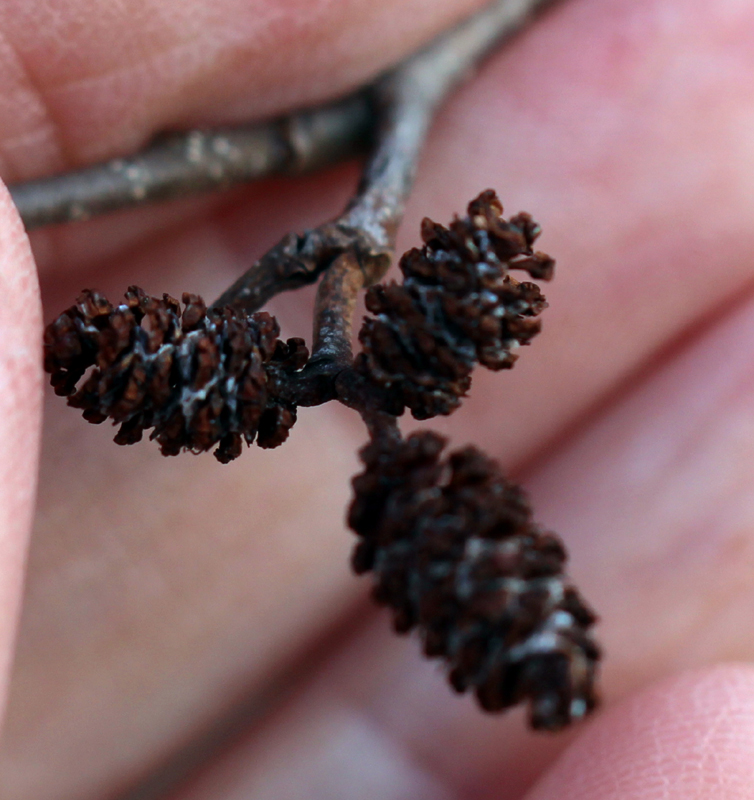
pixel 162 595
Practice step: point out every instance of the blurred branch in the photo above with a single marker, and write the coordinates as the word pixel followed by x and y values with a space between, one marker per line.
pixel 184 164
pixel 198 161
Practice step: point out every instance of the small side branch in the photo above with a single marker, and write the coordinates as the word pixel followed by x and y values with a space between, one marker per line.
pixel 332 356
pixel 333 311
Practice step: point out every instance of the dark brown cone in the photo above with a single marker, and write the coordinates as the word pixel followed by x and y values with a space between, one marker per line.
pixel 198 379
pixel 456 554
pixel 457 306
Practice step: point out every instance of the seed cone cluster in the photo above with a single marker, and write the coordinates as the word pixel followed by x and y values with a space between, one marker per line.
pixel 451 543
pixel 457 306
pixel 197 377
pixel 455 554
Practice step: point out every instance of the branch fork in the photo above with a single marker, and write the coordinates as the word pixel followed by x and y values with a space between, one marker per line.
pixel 451 544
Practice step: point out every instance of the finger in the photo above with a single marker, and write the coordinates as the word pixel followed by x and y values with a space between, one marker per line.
pixel 20 394
pixel 654 501
pixel 348 754
pixel 94 673
pixel 85 80
pixel 691 736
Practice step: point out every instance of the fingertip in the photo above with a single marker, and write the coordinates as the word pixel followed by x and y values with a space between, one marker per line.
pixel 20 409
pixel 686 737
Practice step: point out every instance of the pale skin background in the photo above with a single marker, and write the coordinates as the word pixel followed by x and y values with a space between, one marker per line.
pixel 162 593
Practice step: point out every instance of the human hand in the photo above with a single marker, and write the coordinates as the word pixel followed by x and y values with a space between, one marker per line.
pixel 162 592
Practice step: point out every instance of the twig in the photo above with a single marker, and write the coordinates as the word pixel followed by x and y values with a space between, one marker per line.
pixel 333 311
pixel 201 160
pixel 198 161
pixel 407 99
pixel 296 261
pixel 356 249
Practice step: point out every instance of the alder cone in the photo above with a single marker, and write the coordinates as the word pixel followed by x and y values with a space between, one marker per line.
pixel 197 378
pixel 455 553
pixel 457 306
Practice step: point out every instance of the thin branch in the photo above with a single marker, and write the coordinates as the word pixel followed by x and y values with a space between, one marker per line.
pixel 334 308
pixel 184 164
pixel 296 261
pixel 407 99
